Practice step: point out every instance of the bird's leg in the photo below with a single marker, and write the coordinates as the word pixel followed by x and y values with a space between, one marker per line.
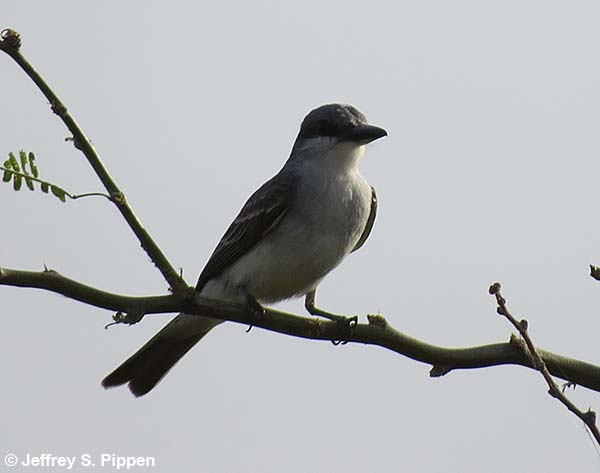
pixel 257 310
pixel 348 323
pixel 309 304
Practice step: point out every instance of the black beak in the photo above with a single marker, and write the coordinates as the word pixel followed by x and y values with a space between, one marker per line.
pixel 363 133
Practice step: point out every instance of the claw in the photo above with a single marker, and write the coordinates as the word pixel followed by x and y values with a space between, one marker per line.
pixel 347 325
pixel 130 318
pixel 256 310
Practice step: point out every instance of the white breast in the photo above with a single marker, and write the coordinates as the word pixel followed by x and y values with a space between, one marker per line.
pixel 321 227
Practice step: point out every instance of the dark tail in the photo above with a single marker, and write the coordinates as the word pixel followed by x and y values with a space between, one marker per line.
pixel 145 368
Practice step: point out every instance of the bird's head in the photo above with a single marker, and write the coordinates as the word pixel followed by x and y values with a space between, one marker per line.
pixel 336 133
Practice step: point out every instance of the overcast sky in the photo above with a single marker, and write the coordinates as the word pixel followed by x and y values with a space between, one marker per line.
pixel 490 172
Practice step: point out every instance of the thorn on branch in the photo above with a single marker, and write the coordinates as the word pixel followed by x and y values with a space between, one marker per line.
pixel 590 416
pixel 437 371
pixel 59 109
pixel 74 140
pixel 11 38
pixel 49 271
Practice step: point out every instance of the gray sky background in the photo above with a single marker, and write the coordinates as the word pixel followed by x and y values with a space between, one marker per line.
pixel 490 172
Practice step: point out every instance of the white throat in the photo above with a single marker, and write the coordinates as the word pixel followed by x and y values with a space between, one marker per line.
pixel 329 155
pixel 345 157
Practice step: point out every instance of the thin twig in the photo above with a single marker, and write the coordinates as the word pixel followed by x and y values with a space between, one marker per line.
pixel 90 194
pixel 10 43
pixel 588 417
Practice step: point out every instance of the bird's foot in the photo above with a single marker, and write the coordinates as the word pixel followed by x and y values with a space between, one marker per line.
pixel 345 323
pixel 130 318
pixel 257 311
pixel 255 308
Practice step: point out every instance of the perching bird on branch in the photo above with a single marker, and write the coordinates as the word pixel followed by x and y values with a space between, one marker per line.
pixel 295 229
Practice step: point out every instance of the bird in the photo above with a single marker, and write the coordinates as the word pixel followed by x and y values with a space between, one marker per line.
pixel 294 230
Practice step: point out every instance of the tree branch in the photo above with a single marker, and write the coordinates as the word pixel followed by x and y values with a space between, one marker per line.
pixel 10 43
pixel 527 346
pixel 376 332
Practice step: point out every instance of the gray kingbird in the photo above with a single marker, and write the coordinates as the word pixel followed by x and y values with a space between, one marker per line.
pixel 295 229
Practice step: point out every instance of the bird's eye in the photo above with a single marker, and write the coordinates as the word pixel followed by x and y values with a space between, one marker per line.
pixel 324 128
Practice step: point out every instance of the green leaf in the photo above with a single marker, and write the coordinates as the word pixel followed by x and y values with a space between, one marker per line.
pixel 24 168
pixel 24 161
pixel 13 162
pixel 29 183
pixel 34 169
pixel 58 192
pixel 17 182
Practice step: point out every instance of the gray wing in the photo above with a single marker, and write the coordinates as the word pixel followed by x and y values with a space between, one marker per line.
pixel 259 216
pixel 370 221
